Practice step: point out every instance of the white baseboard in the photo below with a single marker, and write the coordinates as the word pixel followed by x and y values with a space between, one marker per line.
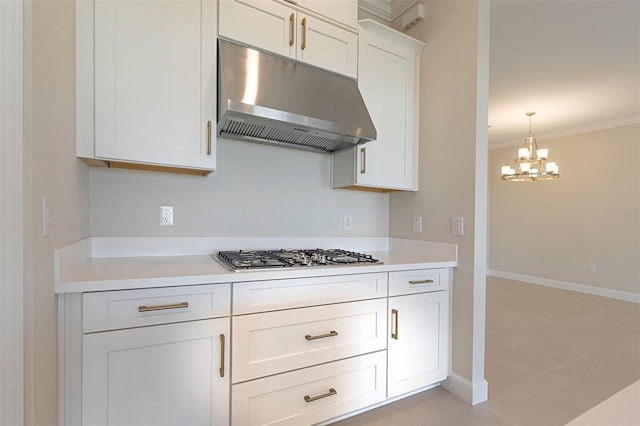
pixel 473 393
pixel 596 291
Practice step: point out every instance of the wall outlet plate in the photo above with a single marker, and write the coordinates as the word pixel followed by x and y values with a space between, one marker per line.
pixel 166 215
pixel 348 222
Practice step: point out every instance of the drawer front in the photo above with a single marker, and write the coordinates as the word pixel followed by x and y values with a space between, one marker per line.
pixel 275 342
pixel 311 395
pixel 111 310
pixel 261 296
pixel 418 281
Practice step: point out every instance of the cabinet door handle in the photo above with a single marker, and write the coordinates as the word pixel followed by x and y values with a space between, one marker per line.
pixel 421 282
pixel 292 28
pixel 363 160
pixel 209 137
pixel 222 343
pixel 394 312
pixel 321 336
pixel 182 305
pixel 331 392
pixel 304 34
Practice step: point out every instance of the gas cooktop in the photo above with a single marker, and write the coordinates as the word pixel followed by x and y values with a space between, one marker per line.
pixel 268 259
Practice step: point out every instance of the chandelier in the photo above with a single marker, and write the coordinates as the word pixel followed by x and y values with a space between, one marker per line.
pixel 531 163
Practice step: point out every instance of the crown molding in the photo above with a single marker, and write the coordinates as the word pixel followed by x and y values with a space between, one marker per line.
pixel 627 121
pixel 387 10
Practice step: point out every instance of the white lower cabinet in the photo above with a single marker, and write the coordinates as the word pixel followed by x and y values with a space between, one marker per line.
pixel 418 347
pixel 311 395
pixel 171 374
pixel 155 356
pixel 295 351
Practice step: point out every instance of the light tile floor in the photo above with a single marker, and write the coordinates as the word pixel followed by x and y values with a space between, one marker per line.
pixel 550 356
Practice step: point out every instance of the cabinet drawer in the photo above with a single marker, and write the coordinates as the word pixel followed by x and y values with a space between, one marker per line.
pixel 418 281
pixel 260 296
pixel 274 342
pixel 332 389
pixel 112 310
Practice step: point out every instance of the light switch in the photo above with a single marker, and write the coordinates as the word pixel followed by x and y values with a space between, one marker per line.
pixel 416 223
pixel 457 226
pixel 46 217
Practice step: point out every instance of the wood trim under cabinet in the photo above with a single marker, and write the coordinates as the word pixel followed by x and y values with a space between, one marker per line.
pixel 371 189
pixel 93 162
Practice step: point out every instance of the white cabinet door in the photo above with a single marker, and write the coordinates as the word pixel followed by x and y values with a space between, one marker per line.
pixel 343 11
pixel 286 31
pixel 327 46
pixel 388 78
pixel 388 83
pixel 155 82
pixel 418 341
pixel 161 375
pixel 267 25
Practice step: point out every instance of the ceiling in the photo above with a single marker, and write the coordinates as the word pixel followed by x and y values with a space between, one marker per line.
pixel 575 63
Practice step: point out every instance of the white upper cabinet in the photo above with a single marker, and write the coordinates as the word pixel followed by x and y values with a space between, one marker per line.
pixel 342 11
pixel 147 82
pixel 389 80
pixel 295 32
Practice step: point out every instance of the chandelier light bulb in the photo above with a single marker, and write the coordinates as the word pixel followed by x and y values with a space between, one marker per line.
pixel 543 153
pixel 523 153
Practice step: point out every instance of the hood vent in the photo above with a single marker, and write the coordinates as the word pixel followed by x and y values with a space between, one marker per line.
pixel 267 99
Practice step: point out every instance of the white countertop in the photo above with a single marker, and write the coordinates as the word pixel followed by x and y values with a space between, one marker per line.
pixel 98 264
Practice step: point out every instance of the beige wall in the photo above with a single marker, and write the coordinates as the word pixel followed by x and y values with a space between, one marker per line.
pixel 51 169
pixel 452 97
pixel 555 230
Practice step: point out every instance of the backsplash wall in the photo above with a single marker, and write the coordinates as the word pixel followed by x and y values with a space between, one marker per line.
pixel 257 190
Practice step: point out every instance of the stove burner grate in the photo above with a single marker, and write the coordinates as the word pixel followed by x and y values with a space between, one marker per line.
pixel 269 259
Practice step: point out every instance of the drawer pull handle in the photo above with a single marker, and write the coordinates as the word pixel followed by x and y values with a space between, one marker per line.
pixel 321 336
pixel 291 29
pixel 304 34
pixel 222 342
pixel 182 305
pixel 394 312
pixel 421 282
pixel 331 392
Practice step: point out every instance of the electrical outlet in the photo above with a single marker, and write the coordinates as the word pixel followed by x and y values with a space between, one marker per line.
pixel 592 269
pixel 166 215
pixel 416 224
pixel 348 222
pixel 457 226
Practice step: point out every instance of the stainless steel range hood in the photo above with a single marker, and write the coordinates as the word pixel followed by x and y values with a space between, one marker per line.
pixel 267 99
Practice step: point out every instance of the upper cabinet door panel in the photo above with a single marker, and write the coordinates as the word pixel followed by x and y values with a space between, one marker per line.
pixel 385 83
pixel 263 24
pixel 343 11
pixel 155 81
pixel 324 45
